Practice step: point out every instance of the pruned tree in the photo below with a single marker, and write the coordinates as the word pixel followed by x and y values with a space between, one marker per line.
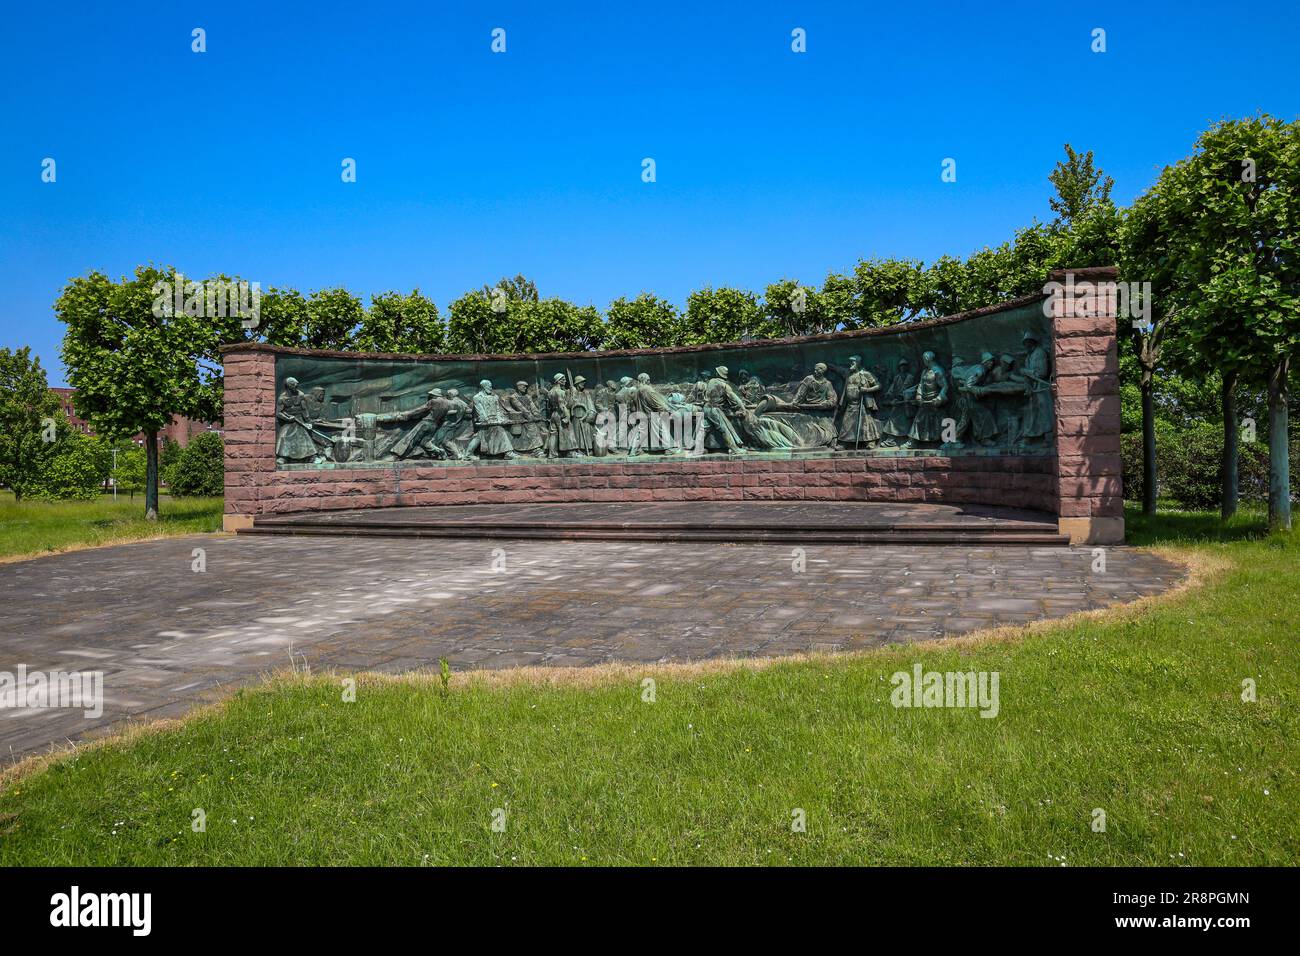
pixel 136 361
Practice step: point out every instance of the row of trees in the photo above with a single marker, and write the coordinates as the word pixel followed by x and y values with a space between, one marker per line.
pixel 1218 238
pixel 511 316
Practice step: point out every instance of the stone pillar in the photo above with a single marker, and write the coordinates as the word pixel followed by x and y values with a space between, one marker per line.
pixel 1082 304
pixel 249 424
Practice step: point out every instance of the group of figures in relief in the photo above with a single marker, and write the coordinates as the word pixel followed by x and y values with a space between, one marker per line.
pixel 999 401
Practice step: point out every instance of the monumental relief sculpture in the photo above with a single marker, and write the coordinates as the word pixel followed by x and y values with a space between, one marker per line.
pixel 915 393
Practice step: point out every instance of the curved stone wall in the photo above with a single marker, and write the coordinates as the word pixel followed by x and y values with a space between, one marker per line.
pixel 365 430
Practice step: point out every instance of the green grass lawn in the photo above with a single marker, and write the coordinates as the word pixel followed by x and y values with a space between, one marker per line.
pixel 29 528
pixel 1139 714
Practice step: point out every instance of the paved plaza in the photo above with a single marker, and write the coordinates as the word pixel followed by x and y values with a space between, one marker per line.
pixel 167 636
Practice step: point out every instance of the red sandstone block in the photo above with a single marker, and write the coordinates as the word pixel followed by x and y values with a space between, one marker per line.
pixel 1083 345
pixel 1087 445
pixel 505 497
pixel 768 464
pixel 1096 486
pixel 1070 386
pixel 712 494
pixel 756 494
pixel 1074 508
pixel 788 493
pixel 457 498
pixel 668 494
pixel 1103 364
pixel 819 464
pixel 551 495
pixel 1088 405
pixel 1081 465
pixel 578 481
pixel 1088 425
pixel 1097 325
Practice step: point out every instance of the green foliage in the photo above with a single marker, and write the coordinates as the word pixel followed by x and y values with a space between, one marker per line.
pixel 130 472
pixel 518 289
pixel 26 405
pixel 75 469
pixel 1080 187
pixel 644 322
pixel 333 316
pixel 1217 238
pixel 886 291
pixel 169 451
pixel 791 308
pixel 1188 463
pixel 725 315
pixel 401 323
pixel 479 324
pixel 199 471
pixel 283 319
pixel 134 359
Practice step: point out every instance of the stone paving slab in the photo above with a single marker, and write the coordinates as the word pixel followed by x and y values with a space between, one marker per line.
pixel 167 637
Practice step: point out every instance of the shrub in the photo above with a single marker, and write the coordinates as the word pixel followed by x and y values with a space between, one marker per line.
pixel 75 469
pixel 199 470
pixel 1187 466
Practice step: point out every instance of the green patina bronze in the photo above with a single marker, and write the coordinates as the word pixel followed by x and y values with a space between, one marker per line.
pixel 979 385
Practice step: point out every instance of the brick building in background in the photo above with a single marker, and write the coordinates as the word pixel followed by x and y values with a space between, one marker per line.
pixel 181 430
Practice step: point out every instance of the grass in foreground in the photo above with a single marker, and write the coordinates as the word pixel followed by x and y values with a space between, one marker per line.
pixel 31 528
pixel 1139 715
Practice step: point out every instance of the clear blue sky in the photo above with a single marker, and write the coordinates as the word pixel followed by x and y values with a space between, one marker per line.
pixel 472 165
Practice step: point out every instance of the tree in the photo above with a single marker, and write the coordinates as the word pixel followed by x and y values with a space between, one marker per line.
pixel 135 362
pixel 401 323
pixel 888 291
pixel 169 452
pixel 129 474
pixel 1217 237
pixel 518 289
pixel 200 468
pixel 480 323
pixel 75 468
pixel 27 410
pixel 644 322
pixel 792 308
pixel 724 315
pixel 332 319
pixel 1079 187
pixel 282 319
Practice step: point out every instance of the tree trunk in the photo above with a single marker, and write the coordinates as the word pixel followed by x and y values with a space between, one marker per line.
pixel 1228 471
pixel 1148 445
pixel 151 476
pixel 1279 451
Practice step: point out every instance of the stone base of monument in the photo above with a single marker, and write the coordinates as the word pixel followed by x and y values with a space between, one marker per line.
pixel 856 523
